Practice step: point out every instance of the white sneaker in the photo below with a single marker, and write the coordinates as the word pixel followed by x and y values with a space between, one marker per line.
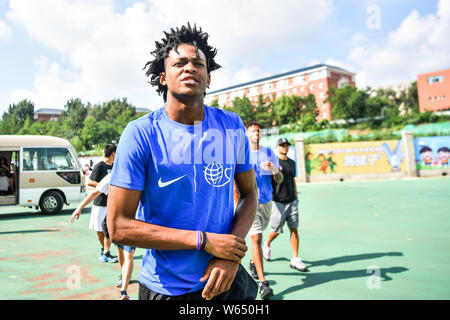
pixel 266 251
pixel 297 263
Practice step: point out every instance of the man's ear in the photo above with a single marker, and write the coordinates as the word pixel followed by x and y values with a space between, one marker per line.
pixel 162 78
pixel 208 81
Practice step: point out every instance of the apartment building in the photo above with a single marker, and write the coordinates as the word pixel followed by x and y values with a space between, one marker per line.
pixel 433 89
pixel 315 79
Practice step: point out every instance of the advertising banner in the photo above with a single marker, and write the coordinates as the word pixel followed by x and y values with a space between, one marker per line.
pixel 355 157
pixel 432 153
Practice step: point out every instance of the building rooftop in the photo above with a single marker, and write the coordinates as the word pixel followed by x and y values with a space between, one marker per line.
pixel 280 75
pixel 48 111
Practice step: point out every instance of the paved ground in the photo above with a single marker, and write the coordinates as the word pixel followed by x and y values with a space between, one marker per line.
pixel 361 240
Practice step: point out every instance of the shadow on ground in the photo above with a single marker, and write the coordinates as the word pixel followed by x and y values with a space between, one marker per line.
pixel 310 278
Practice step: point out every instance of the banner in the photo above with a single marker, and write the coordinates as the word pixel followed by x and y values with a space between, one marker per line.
pixel 432 153
pixel 355 157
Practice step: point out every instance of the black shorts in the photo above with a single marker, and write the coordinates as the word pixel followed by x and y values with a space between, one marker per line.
pixel 243 288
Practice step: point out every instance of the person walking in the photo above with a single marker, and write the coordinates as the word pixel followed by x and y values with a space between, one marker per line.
pixel 98 211
pixel 266 168
pixel 125 253
pixel 175 167
pixel 285 207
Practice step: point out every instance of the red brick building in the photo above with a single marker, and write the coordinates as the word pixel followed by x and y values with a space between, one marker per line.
pixel 433 89
pixel 46 114
pixel 316 79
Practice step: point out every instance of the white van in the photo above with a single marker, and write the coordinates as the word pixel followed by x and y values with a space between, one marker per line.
pixel 39 171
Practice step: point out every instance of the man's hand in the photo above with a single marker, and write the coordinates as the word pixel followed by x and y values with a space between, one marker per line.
pixel 221 275
pixel 269 166
pixel 226 246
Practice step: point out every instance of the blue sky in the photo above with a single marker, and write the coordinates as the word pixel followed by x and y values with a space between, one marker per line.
pixel 54 50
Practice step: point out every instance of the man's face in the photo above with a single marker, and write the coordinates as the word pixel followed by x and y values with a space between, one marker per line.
pixel 283 148
pixel 253 134
pixel 185 72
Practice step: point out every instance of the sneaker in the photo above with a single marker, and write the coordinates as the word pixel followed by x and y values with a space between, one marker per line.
pixel 297 263
pixel 266 251
pixel 119 283
pixel 111 258
pixel 103 258
pixel 253 270
pixel 265 291
pixel 124 295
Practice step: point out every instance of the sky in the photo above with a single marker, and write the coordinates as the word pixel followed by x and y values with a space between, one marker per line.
pixel 55 50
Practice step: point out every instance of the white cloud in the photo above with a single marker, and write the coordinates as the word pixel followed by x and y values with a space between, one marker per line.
pixel 5 31
pixel 419 45
pixel 101 52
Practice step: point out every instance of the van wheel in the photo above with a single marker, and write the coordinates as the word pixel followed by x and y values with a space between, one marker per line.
pixel 51 202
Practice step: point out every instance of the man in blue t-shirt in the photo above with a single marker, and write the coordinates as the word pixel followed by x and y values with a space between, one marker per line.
pixel 176 167
pixel 266 165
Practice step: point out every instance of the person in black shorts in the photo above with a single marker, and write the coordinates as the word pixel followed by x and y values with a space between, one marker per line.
pixel 98 212
pixel 285 206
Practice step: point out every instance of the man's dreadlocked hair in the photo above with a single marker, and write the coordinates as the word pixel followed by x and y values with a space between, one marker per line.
pixel 183 35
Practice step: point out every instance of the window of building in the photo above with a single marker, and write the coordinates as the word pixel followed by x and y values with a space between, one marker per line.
pixel 302 89
pixel 435 79
pixel 321 85
pixel 294 90
pixel 282 83
pixel 322 95
pixel 324 115
pixel 267 87
pixel 253 90
pixel 324 106
pixel 298 79
pixel 311 87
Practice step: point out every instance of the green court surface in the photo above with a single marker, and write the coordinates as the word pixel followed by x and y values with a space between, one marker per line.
pixel 361 240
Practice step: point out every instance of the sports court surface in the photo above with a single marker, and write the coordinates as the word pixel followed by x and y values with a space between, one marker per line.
pixel 361 240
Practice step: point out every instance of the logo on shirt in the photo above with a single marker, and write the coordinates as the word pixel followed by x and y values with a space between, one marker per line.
pixel 165 184
pixel 216 176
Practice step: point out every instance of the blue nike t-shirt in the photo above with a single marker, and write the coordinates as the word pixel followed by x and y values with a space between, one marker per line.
pixel 263 177
pixel 185 173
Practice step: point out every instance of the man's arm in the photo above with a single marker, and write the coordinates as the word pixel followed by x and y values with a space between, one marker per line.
pixel 221 272
pixel 125 229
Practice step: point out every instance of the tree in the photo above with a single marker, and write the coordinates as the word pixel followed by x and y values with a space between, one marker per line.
pixel 72 117
pixel 244 108
pixel 348 102
pixel 286 109
pixel 308 105
pixel 16 115
pixel 264 114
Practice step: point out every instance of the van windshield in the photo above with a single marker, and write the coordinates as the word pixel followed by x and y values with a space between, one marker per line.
pixel 48 159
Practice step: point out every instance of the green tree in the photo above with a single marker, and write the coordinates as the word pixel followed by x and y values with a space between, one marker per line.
pixel 72 117
pixel 348 102
pixel 244 108
pixel 286 109
pixel 264 115
pixel 16 115
pixel 308 105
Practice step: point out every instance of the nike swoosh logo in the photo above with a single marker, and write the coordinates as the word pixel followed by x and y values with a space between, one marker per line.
pixel 165 184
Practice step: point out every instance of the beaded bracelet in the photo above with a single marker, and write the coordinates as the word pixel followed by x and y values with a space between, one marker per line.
pixel 199 240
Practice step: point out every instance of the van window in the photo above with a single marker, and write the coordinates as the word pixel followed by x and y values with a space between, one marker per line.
pixel 48 159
